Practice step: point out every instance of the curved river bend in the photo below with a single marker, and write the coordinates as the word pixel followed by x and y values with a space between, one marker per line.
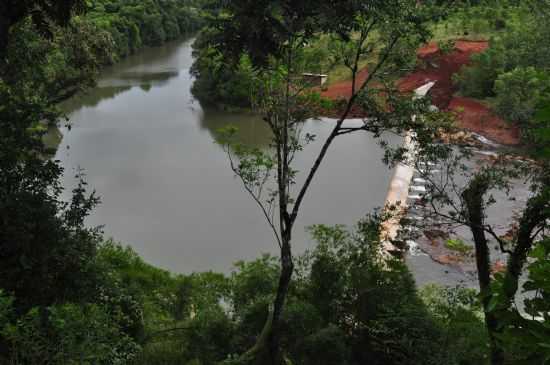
pixel 147 147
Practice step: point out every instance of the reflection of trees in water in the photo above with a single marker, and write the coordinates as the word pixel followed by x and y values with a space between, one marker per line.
pixel 252 130
pixel 145 80
pixel 127 80
pixel 92 98
pixel 140 78
pixel 167 56
pixel 146 87
pixel 139 70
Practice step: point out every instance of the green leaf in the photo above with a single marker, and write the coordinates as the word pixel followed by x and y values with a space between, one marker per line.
pixel 543 114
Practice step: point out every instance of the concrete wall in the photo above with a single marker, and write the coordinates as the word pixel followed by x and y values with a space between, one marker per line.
pixel 399 185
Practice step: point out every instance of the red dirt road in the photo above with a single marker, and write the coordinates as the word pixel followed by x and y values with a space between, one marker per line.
pixel 438 67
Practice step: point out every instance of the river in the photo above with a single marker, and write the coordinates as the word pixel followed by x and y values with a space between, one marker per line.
pixel 147 147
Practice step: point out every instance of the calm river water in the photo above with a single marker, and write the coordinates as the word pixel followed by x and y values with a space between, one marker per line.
pixel 147 147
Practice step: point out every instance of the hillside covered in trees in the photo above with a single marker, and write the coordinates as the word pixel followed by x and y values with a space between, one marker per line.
pixel 70 295
pixel 64 60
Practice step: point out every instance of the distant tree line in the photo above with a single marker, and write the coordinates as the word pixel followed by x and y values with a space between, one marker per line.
pixel 61 58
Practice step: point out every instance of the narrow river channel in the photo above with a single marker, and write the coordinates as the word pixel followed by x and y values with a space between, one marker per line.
pixel 147 147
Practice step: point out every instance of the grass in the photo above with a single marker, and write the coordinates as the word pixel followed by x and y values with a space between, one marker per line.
pixel 450 31
pixel 480 22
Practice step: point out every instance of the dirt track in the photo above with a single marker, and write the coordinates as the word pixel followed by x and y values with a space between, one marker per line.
pixel 435 66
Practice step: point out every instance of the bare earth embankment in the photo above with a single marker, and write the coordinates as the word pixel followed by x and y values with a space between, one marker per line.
pixel 436 66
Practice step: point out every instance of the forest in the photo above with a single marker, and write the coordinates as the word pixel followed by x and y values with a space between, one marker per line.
pixel 63 60
pixel 71 295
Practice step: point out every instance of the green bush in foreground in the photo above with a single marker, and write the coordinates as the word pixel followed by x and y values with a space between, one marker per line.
pixel 65 334
pixel 346 306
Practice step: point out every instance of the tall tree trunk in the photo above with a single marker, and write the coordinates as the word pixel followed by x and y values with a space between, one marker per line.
pixel 475 212
pixel 535 215
pixel 287 268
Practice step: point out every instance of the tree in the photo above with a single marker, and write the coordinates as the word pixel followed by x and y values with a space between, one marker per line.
pixel 462 197
pixel 71 334
pixel 42 13
pixel 46 253
pixel 281 29
pixel 518 93
pixel 527 335
pixel 462 194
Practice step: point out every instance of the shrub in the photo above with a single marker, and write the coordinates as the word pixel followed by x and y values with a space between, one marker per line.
pixel 478 80
pixel 458 313
pixel 518 92
pixel 326 347
pixel 522 45
pixel 374 300
pixel 447 47
pixel 68 334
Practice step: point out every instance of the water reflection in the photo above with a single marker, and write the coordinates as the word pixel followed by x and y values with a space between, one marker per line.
pixel 251 129
pixel 92 98
pixel 140 78
pixel 109 88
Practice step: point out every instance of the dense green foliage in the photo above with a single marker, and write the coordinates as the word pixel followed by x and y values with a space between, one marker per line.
pixel 67 296
pixel 69 60
pixel 217 82
pixel 43 15
pixel 515 70
pixel 539 134
pixel 133 24
pixel 63 299
pixel 57 68
pixel 42 237
pixel 346 306
pixel 526 335
pixel 224 81
pixel 73 334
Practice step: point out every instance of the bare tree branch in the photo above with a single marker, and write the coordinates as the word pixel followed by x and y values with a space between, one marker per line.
pixel 335 130
pixel 257 198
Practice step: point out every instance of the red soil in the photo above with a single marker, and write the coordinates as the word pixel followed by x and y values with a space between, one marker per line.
pixel 440 68
pixel 342 89
pixel 437 67
pixel 476 117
